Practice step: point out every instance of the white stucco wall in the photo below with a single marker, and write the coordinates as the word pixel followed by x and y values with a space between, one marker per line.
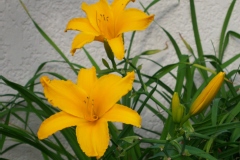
pixel 22 48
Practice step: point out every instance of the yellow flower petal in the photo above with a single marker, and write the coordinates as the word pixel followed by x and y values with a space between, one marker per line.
pixel 109 89
pixel 117 47
pixel 87 79
pixel 64 95
pixel 80 40
pixel 120 113
pixel 100 16
pixel 56 123
pixel 93 137
pixel 207 95
pixel 119 5
pixel 132 20
pixel 90 11
pixel 81 24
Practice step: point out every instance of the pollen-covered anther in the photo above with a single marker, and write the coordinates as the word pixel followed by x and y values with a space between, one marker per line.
pixel 95 117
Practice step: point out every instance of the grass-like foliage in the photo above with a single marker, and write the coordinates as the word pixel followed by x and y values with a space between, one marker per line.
pixel 212 132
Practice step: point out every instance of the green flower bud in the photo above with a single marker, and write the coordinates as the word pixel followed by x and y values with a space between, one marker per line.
pixel 177 108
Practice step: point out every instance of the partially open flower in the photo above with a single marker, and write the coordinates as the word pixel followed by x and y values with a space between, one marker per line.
pixel 207 95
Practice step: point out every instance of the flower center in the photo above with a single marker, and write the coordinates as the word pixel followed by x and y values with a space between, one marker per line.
pixel 90 114
pixel 105 25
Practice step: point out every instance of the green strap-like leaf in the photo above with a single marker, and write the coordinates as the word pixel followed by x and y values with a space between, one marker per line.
pixel 48 39
pixel 224 28
pixel 91 59
pixel 197 38
pixel 199 153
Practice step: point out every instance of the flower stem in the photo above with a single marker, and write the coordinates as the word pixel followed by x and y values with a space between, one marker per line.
pixel 185 118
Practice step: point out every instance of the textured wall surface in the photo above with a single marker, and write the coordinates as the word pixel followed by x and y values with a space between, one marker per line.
pixel 23 49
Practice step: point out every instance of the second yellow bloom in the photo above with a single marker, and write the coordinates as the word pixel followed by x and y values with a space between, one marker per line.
pixel 107 22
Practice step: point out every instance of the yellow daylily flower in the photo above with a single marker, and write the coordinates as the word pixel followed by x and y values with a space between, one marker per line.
pixel 89 105
pixel 207 95
pixel 107 22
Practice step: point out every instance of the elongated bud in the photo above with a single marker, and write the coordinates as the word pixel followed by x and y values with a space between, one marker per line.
pixel 108 50
pixel 207 95
pixel 109 53
pixel 177 108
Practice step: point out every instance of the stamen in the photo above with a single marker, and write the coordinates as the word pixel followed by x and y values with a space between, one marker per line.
pixel 102 23
pixel 90 115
